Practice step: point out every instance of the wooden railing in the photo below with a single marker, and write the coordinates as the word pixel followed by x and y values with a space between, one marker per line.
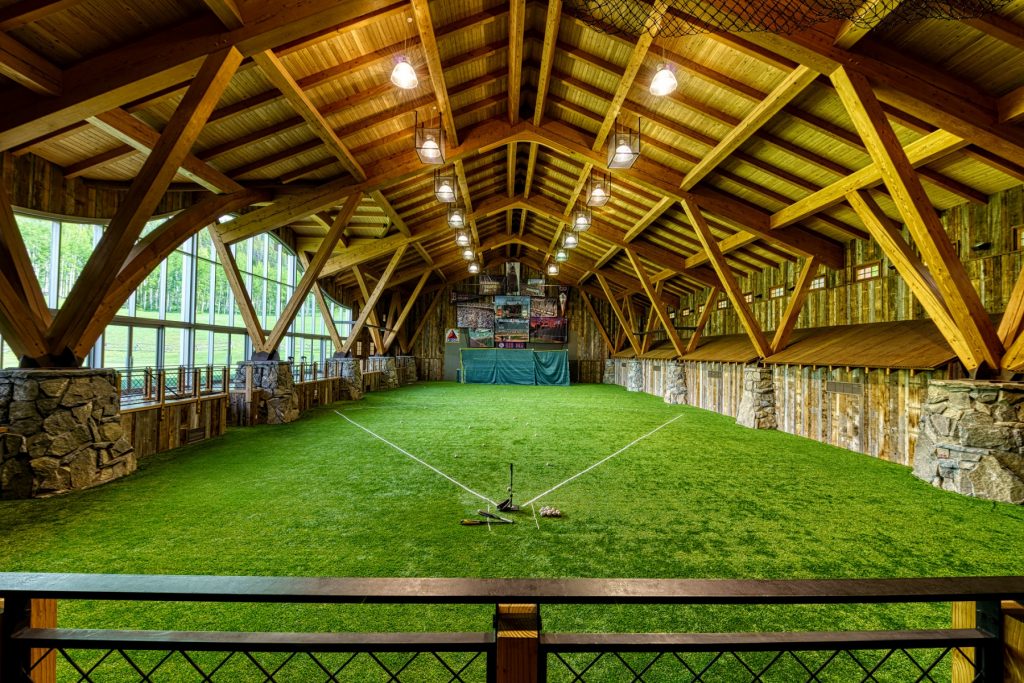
pixel 516 650
pixel 154 386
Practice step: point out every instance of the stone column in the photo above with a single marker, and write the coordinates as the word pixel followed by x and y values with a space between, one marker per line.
pixel 971 439
pixel 635 375
pixel 675 383
pixel 274 380
pixel 352 375
pixel 757 404
pixel 390 373
pixel 609 371
pixel 64 431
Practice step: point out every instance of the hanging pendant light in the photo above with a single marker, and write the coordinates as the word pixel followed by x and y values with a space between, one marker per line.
pixel 664 81
pixel 468 253
pixel 403 75
pixel 561 255
pixel 444 186
pixel 599 189
pixel 552 268
pixel 429 142
pixel 623 146
pixel 570 240
pixel 462 239
pixel 581 219
pixel 456 217
pixel 474 267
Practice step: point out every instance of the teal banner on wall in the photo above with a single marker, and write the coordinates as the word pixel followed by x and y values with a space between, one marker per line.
pixel 507 366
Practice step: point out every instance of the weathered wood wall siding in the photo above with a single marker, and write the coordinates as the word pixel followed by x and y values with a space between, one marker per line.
pixel 153 429
pixel 429 347
pixel 993 269
pixel 321 392
pixel 35 184
pixel 714 386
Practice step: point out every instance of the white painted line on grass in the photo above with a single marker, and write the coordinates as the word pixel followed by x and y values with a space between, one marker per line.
pixel 425 464
pixel 535 515
pixel 602 461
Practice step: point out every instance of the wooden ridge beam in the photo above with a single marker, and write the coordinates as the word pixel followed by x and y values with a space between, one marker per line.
pixel 703 318
pixel 399 323
pixel 656 304
pixel 516 26
pixel 234 277
pixel 160 167
pixel 618 313
pixel 732 289
pixel 795 304
pixel 918 214
pixel 373 298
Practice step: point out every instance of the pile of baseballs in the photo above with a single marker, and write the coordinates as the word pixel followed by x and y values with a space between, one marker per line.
pixel 548 511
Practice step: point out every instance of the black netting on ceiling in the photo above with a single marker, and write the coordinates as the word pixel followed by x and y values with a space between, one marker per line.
pixel 674 18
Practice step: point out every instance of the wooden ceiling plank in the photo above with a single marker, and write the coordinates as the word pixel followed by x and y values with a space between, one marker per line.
pixel 26 12
pixel 141 200
pixel 908 264
pixel 132 131
pixel 373 298
pixel 795 304
pixel 100 160
pixel 27 68
pixel 618 313
pixel 309 277
pixel 732 288
pixel 397 325
pixel 959 294
pixel 656 304
pixel 703 318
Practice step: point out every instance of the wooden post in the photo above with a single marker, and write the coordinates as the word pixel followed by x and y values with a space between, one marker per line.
pixel 965 615
pixel 19 613
pixel 161 389
pixel 43 614
pixel 197 378
pixel 518 632
pixel 147 381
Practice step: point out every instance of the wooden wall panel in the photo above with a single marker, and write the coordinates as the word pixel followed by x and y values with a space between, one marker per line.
pixel 158 428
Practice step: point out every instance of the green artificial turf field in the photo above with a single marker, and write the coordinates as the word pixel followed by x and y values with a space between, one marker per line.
pixel 699 498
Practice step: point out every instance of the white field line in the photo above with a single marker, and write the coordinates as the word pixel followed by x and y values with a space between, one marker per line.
pixel 425 464
pixel 601 461
pixel 535 516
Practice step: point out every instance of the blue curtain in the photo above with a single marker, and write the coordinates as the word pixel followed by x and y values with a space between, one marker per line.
pixel 551 367
pixel 513 366
pixel 478 366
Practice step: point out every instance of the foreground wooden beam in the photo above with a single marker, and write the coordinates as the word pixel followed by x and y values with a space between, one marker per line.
pixel 373 298
pixel 597 321
pixel 626 329
pixel 920 217
pixel 17 264
pixel 703 318
pixel 234 277
pixel 27 68
pixel 795 304
pixel 656 305
pixel 397 324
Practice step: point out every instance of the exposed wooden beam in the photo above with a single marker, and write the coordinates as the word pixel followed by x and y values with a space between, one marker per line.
pixel 872 13
pixel 1011 106
pixel 656 304
pixel 16 262
pixel 99 273
pixel 19 326
pixel 732 289
pixel 428 40
pixel 397 324
pixel 424 319
pixel 626 328
pixel 325 309
pixel 552 22
pixel 516 26
pixel 25 67
pixel 100 160
pixel 26 12
pixel 795 304
pixel 597 321
pixel 138 135
pixel 703 318
pixel 227 12
pixel 373 298
pixel 371 315
pixel 309 277
pixel 959 294
pixel 1012 322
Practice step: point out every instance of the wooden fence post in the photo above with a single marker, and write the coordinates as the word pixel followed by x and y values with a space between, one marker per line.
pixel 965 615
pixel 15 614
pixel 518 632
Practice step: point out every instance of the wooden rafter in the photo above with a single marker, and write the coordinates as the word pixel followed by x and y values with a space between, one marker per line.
pixel 428 41
pixel 237 283
pixel 597 321
pixel 516 25
pixel 667 323
pixel 617 310
pixel 372 299
pixel 325 310
pixel 372 317
pixel 959 294
pixel 30 11
pixel 17 264
pixel 227 11
pixel 795 304
pixel 397 324
pixel 66 332
pixel 702 319
pixel 871 12
pixel 732 289
pixel 25 67
pixel 1012 322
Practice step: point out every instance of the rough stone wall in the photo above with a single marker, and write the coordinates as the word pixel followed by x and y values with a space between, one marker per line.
pixel 757 404
pixel 64 432
pixel 390 373
pixel 971 439
pixel 609 371
pixel 352 374
pixel 274 380
pixel 675 383
pixel 635 376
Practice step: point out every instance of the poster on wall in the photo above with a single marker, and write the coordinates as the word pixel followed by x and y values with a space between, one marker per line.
pixel 510 345
pixel 548 330
pixel 451 336
pixel 489 285
pixel 517 307
pixel 457 297
pixel 512 274
pixel 511 330
pixel 481 337
pixel 474 315
pixel 534 287
pixel 544 308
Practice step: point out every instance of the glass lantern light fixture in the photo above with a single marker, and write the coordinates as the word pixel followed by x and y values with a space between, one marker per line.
pixel 429 142
pixel 468 253
pixel 561 256
pixel 444 186
pixel 664 81
pixel 456 217
pixel 553 268
pixel 581 219
pixel 404 75
pixel 599 189
pixel 462 238
pixel 474 267
pixel 570 240
pixel 623 146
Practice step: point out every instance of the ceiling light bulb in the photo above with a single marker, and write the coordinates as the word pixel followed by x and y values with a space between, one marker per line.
pixel 468 254
pixel 474 267
pixel 455 220
pixel 623 152
pixel 571 241
pixel 552 269
pixel 561 255
pixel 445 192
pixel 664 81
pixel 462 238
pixel 599 192
pixel 430 150
pixel 582 221
pixel 404 76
